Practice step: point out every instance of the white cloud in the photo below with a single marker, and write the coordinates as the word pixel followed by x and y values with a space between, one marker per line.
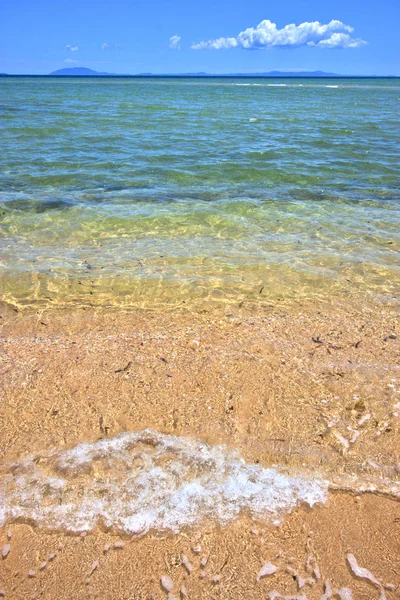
pixel 218 44
pixel 107 46
pixel 340 40
pixel 175 42
pixel 266 35
pixel 70 61
pixel 71 48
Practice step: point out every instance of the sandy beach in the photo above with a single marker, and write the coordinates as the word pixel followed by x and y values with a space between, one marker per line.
pixel 311 390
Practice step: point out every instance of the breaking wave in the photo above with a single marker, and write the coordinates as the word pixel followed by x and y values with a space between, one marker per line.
pixel 141 481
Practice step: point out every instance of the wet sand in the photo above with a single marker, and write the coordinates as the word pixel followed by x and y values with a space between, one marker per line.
pixel 313 387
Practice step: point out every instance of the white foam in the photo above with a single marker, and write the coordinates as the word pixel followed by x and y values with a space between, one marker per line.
pixel 145 480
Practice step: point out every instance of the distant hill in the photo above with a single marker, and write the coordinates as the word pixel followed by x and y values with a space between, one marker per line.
pixel 290 74
pixel 85 72
pixel 78 71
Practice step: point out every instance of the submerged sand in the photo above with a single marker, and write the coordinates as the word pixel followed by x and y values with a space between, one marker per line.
pixel 313 389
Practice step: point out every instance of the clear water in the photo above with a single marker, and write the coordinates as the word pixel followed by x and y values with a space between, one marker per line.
pixel 162 191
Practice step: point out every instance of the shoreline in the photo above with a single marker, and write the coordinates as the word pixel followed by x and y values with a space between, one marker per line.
pixel 309 388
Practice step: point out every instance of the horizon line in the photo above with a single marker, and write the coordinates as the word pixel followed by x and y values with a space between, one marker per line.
pixel 270 74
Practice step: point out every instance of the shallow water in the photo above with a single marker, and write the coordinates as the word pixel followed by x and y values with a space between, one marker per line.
pixel 160 191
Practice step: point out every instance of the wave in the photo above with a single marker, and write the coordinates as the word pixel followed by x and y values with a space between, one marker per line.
pixel 141 481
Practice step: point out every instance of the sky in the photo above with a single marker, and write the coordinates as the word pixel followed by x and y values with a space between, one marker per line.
pixel 357 37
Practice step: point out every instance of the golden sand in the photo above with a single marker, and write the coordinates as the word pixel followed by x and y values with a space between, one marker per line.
pixel 286 386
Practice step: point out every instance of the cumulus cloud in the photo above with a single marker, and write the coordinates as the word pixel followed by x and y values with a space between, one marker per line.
pixel 340 40
pixel 175 42
pixel 266 34
pixel 71 48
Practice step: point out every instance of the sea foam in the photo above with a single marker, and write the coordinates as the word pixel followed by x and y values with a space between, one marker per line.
pixel 141 481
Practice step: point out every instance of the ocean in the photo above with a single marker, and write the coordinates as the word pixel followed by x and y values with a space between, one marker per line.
pixel 172 191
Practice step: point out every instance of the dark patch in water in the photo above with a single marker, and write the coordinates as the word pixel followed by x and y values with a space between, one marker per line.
pixel 308 195
pixel 39 207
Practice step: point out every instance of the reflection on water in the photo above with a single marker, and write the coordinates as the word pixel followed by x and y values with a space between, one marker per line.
pixel 143 192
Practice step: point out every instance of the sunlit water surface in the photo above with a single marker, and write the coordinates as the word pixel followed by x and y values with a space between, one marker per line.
pixel 144 192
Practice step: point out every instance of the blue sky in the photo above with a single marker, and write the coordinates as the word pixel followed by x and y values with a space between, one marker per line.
pixel 216 36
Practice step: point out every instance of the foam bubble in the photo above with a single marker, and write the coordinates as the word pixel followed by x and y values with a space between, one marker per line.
pixel 145 480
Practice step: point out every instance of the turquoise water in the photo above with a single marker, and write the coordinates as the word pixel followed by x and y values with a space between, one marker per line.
pixel 162 191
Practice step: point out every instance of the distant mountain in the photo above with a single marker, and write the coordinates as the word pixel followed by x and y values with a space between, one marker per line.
pixel 78 71
pixel 85 72
pixel 290 74
pixel 266 74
